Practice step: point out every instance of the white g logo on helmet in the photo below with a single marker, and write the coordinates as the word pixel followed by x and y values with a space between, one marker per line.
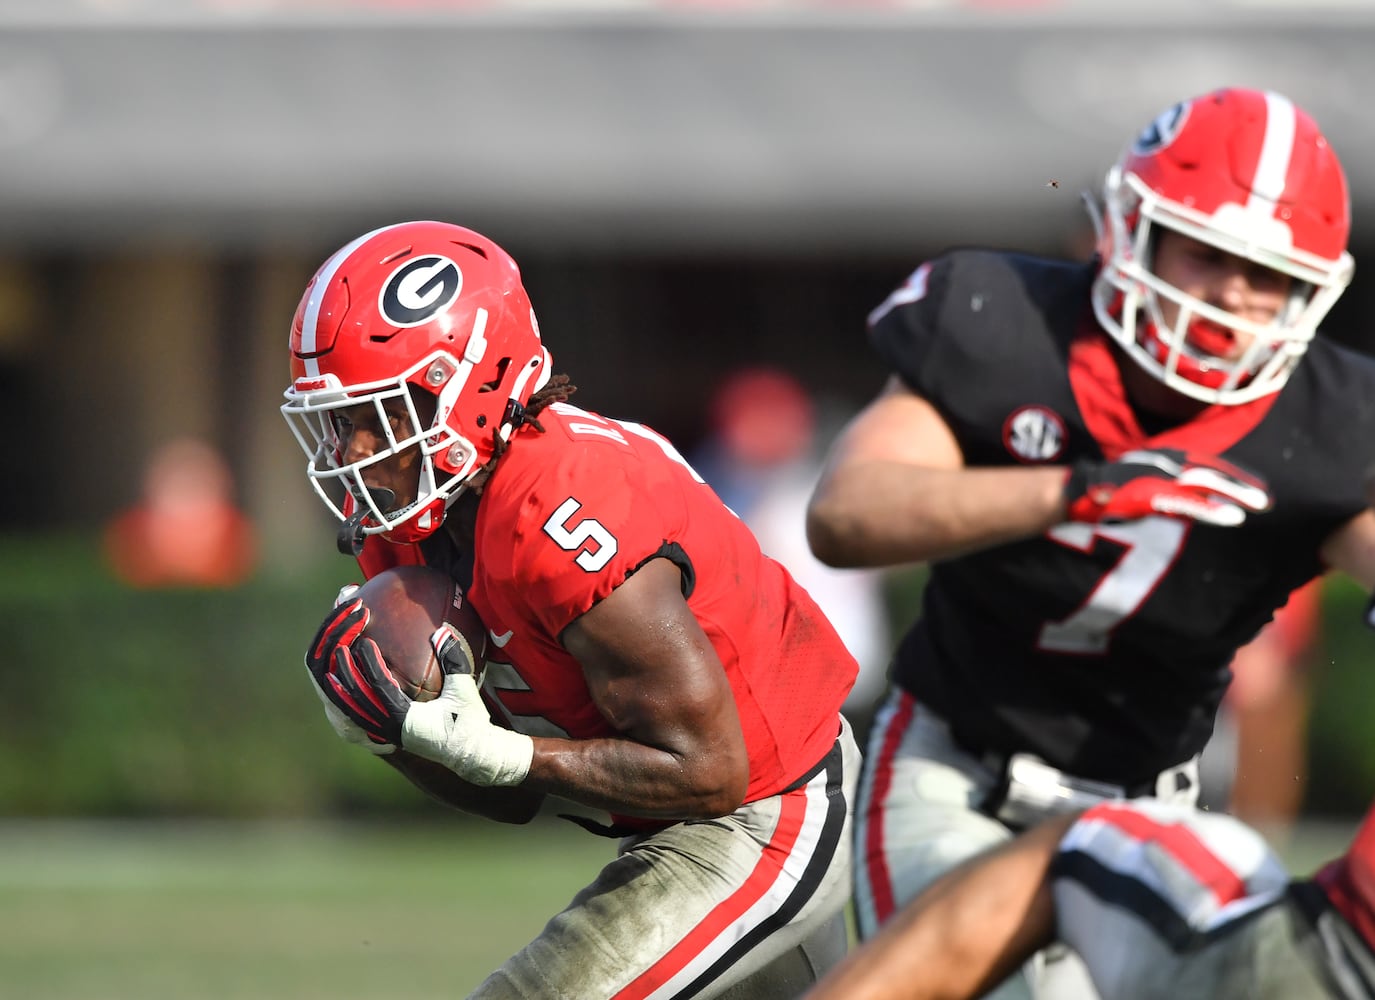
pixel 419 290
pixel 1162 131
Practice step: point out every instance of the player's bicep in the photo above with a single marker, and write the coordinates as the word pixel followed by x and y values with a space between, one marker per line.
pixel 898 426
pixel 878 467
pixel 650 668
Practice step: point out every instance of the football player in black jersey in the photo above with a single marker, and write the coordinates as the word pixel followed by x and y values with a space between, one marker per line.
pixel 1117 471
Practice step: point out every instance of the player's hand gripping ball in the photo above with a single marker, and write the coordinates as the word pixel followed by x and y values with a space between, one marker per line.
pixel 406 609
pixel 406 606
pixel 452 728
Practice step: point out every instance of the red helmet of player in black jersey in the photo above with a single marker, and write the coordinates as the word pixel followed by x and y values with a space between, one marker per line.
pixel 1248 173
pixel 434 317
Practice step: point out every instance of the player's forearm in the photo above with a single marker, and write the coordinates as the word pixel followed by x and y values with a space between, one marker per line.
pixel 505 805
pixel 966 933
pixel 623 776
pixel 884 513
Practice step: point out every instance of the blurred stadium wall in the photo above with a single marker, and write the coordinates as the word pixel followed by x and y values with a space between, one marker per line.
pixel 690 186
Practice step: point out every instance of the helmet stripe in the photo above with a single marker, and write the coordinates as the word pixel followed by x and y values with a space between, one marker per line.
pixel 1276 153
pixel 326 274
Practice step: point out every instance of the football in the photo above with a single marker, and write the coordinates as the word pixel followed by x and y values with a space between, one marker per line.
pixel 405 605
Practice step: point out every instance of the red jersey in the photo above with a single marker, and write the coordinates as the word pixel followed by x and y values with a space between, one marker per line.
pixel 569 514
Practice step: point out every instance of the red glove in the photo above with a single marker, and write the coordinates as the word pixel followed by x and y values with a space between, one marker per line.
pixel 1165 482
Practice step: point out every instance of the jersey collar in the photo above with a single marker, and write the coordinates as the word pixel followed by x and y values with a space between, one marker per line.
pixel 1096 382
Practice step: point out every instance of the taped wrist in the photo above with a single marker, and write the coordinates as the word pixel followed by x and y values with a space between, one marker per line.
pixel 499 758
pixel 456 731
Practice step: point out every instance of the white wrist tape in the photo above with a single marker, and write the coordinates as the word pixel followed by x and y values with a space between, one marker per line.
pixel 456 731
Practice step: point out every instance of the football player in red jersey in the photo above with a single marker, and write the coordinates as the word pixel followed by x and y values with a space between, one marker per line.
pixel 1117 470
pixel 646 658
pixel 1161 900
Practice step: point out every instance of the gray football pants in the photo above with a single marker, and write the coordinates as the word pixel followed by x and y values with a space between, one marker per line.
pixel 746 907
pixel 918 818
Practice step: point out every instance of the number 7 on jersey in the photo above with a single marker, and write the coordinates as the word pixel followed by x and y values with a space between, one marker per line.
pixel 1151 546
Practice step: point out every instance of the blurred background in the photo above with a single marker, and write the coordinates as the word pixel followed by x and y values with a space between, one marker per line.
pixel 705 196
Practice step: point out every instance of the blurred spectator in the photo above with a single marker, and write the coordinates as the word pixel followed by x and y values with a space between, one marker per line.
pixel 763 458
pixel 185 530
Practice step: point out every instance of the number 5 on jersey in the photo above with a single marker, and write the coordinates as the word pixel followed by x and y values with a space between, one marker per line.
pixel 572 536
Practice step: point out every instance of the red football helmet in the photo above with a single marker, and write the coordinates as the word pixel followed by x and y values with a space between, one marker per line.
pixel 1249 173
pixel 420 306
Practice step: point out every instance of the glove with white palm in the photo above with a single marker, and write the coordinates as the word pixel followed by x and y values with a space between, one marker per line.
pixel 453 729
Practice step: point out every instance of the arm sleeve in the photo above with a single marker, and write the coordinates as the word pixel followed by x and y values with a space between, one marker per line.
pixel 904 329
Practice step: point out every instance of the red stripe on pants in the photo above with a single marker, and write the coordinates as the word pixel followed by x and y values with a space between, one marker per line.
pixel 875 857
pixel 765 874
pixel 1182 844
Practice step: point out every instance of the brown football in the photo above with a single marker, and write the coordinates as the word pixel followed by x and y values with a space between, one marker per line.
pixel 405 605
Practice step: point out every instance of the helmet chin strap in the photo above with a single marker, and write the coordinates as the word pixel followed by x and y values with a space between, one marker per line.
pixel 351 535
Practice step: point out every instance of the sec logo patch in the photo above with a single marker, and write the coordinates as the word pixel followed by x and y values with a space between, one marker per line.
pixel 1034 434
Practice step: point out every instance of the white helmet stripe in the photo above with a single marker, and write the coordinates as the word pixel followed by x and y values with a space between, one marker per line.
pixel 317 293
pixel 1276 151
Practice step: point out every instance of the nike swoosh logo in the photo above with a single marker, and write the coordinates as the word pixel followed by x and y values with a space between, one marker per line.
pixel 500 640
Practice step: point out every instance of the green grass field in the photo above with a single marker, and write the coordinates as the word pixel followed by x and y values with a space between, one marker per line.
pixel 161 911
pixel 116 911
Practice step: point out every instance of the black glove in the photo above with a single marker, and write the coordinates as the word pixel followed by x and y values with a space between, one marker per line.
pixel 331 664
pixel 1166 482
pixel 340 627
pixel 365 691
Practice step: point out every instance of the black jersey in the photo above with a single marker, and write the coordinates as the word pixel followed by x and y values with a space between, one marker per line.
pixel 1104 648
